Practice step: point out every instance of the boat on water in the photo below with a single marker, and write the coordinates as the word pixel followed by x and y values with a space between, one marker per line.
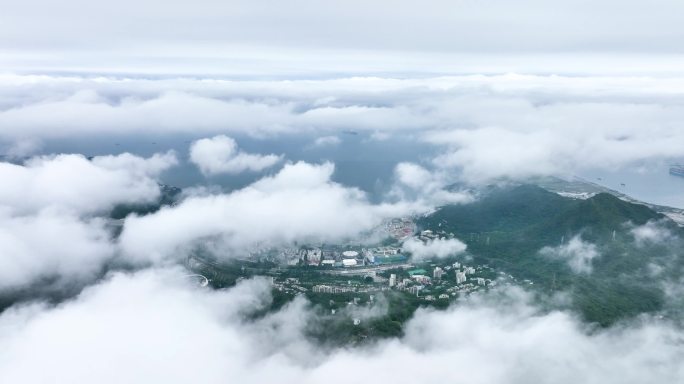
pixel 677 170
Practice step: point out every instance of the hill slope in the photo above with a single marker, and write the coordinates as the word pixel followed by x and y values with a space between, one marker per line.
pixel 509 227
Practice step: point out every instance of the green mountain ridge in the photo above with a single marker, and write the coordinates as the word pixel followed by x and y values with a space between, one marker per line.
pixel 509 226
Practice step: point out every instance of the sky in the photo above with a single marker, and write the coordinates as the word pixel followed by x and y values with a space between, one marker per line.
pixel 306 121
pixel 313 38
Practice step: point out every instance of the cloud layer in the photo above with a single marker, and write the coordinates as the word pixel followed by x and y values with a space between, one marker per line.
pixel 542 125
pixel 153 326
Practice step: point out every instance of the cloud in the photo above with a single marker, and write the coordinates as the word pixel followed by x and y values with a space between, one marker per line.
pixel 416 182
pixel 220 154
pixel 299 203
pixel 199 109
pixel 155 327
pixel 650 233
pixel 325 141
pixel 169 112
pixel 524 140
pixel 113 316
pixel 73 182
pixel 22 148
pixel 543 124
pixel 50 233
pixel 414 176
pixel 577 253
pixel 438 248
pixel 138 166
pixel 51 247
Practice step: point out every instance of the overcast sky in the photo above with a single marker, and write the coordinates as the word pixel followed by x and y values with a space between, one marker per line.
pixel 306 37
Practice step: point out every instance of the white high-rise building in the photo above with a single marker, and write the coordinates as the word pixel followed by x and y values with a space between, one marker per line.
pixel 437 273
pixel 414 290
pixel 393 280
pixel 460 277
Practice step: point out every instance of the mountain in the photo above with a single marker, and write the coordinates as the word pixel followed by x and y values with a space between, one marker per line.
pixel 508 227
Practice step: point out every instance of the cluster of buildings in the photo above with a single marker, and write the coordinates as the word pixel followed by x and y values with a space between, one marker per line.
pixel 290 285
pixel 331 289
pixel 419 279
pixel 428 235
pixel 344 258
pixel 400 229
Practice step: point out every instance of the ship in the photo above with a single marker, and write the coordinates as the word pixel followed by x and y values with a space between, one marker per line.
pixel 677 170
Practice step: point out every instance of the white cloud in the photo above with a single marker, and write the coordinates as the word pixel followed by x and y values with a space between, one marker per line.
pixel 220 154
pixel 51 245
pixel 137 166
pixel 438 248
pixel 542 125
pixel 414 176
pixel 196 108
pixel 530 138
pixel 415 182
pixel 22 148
pixel 48 232
pixel 326 141
pixel 650 233
pixel 154 327
pixel 75 183
pixel 300 202
pixel 577 253
pixel 115 315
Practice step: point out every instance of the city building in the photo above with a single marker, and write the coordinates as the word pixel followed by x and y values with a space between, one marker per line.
pixel 350 254
pixel 422 279
pixel 349 262
pixel 331 289
pixel 437 273
pixel 460 277
pixel 415 289
pixel 393 280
